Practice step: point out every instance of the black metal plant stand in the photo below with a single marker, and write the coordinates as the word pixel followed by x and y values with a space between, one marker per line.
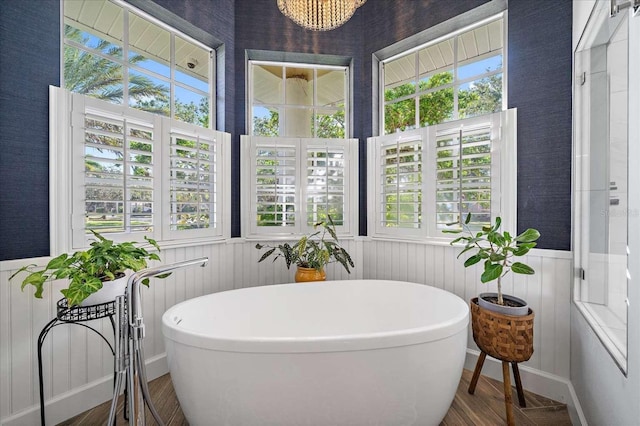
pixel 125 314
pixel 75 315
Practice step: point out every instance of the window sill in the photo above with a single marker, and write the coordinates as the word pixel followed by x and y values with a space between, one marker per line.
pixel 601 331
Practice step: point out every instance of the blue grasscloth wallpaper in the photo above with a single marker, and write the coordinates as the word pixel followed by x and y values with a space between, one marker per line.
pixel 539 67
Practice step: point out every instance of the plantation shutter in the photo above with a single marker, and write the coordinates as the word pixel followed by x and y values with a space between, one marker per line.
pixel 327 179
pixel 463 175
pixel 192 182
pixel 194 170
pixel 115 159
pixel 128 174
pixel 469 162
pixel 397 184
pixel 433 176
pixel 293 183
pixel 402 184
pixel 274 203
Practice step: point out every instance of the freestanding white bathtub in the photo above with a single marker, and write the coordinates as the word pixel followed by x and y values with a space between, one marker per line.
pixel 363 352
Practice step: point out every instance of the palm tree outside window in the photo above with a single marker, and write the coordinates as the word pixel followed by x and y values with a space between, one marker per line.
pixel 157 69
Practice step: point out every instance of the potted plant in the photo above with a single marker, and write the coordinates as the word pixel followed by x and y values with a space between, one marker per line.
pixel 502 325
pixel 311 253
pixel 497 250
pixel 88 271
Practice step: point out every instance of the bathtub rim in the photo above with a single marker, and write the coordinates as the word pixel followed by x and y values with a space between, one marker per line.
pixel 458 323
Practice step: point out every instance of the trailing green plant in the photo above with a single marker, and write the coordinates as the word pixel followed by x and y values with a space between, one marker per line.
pixel 88 270
pixel 312 251
pixel 496 249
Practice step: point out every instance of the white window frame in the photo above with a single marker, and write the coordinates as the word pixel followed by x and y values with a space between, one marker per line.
pixel 503 176
pixel 67 164
pixel 127 9
pixel 249 145
pixel 457 83
pixel 449 29
pixel 283 105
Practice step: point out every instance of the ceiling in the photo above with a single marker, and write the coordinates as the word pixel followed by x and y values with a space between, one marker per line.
pixel 472 44
pixel 267 83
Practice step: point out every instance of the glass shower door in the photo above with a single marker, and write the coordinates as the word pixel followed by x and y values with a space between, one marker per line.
pixel 601 182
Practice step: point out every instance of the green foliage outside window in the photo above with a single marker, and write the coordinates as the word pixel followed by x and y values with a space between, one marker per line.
pixel 484 96
pixel 267 126
pixel 325 125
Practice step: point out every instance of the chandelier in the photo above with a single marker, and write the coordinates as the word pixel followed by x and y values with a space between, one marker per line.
pixel 319 15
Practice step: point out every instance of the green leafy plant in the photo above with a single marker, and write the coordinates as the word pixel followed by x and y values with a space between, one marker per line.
pixel 88 270
pixel 312 251
pixel 496 249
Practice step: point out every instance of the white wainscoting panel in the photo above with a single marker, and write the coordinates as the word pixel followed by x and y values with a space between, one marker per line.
pixel 548 292
pixel 78 365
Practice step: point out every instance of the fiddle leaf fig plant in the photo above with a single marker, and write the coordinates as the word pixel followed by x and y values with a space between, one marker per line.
pixel 312 251
pixel 496 249
pixel 88 270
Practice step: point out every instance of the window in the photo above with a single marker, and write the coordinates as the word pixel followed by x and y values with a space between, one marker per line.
pixel 128 173
pixel 300 165
pixel 425 179
pixel 115 53
pixel 453 77
pixel 292 183
pixel 294 100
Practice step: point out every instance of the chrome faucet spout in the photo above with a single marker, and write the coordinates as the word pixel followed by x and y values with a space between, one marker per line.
pixel 133 285
pixel 163 269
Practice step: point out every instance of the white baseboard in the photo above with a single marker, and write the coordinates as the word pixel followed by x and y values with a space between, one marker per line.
pixel 548 385
pixel 79 400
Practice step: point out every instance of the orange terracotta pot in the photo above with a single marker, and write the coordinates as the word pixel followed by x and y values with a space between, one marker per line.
pixel 309 274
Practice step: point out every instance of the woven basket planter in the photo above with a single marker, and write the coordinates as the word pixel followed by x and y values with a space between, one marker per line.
pixel 505 337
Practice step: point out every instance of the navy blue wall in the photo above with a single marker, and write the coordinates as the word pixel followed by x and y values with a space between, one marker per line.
pixel 539 79
pixel 29 63
pixel 539 86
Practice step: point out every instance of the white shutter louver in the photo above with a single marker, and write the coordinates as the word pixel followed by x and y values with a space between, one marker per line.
pixel 192 182
pixel 401 179
pixel 275 184
pixel 325 190
pixel 463 175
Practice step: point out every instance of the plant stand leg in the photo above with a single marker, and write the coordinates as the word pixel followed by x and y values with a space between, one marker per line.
pixel 476 372
pixel 506 378
pixel 516 377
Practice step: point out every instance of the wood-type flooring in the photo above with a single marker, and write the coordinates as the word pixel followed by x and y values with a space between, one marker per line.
pixel 485 407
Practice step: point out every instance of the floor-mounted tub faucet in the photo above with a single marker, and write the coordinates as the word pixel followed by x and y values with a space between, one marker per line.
pixel 129 353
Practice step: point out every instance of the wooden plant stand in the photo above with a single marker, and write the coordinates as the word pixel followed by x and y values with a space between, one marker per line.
pixel 504 337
